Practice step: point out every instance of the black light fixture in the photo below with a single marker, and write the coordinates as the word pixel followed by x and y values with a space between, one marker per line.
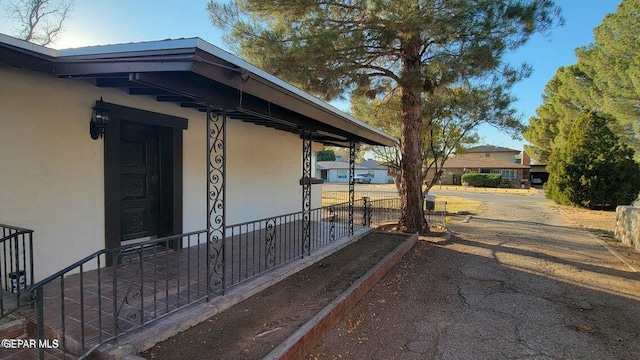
pixel 99 120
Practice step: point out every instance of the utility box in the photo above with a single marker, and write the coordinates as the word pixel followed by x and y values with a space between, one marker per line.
pixel 430 202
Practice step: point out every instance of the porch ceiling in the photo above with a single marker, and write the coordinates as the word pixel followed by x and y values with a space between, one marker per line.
pixel 192 73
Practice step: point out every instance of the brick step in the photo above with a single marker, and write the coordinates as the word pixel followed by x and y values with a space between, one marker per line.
pixel 13 327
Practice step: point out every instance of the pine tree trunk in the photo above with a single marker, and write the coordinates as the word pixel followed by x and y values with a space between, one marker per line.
pixel 412 218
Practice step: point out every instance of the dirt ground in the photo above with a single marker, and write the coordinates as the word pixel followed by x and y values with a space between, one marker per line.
pixel 595 220
pixel 252 328
pixel 520 281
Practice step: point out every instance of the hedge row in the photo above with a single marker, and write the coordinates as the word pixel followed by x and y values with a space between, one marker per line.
pixel 482 180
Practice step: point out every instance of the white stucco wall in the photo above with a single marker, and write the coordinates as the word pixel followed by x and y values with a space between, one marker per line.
pixel 332 177
pixel 52 172
pixel 263 172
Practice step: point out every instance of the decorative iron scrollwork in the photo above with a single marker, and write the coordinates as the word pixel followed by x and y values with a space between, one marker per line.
pixel 332 223
pixel 352 170
pixel 306 192
pixel 216 129
pixel 129 311
pixel 366 217
pixel 270 243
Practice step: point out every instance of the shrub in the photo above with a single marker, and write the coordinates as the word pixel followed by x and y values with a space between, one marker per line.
pixel 482 180
pixel 326 155
pixel 593 169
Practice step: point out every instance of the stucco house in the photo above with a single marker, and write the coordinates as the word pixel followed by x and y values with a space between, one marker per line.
pixel 379 173
pixel 454 168
pixel 513 165
pixel 336 171
pixel 490 151
pixel 142 148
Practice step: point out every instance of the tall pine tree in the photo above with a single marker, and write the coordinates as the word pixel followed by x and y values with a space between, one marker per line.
pixel 412 47
pixel 605 80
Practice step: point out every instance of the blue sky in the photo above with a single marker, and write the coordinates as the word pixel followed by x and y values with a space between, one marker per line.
pixel 121 21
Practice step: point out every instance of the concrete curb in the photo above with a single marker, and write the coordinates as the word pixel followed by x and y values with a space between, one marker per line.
pixel 301 342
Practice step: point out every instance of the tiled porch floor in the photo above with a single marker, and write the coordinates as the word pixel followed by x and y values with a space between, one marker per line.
pixel 148 283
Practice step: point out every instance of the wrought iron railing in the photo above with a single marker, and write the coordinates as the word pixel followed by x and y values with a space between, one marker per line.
pixel 254 247
pixel 337 197
pixel 385 211
pixel 115 291
pixel 16 267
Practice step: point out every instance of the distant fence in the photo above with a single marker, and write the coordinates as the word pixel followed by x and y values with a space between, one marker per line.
pixel 385 206
pixel 338 197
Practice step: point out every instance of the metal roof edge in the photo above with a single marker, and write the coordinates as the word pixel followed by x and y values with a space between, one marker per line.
pixel 25 45
pixel 168 44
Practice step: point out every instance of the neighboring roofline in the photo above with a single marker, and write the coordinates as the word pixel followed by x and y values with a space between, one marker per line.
pixel 306 102
pixel 497 149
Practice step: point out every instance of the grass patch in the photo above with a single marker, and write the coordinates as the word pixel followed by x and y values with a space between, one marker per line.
pixel 454 203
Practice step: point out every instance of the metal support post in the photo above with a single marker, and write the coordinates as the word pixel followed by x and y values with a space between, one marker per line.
pixel 306 191
pixel 216 196
pixel 366 216
pixel 352 170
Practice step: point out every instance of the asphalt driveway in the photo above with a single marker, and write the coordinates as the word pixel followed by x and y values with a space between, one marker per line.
pixel 515 282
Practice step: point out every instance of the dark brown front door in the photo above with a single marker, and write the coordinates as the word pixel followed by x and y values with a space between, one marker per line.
pixel 142 174
pixel 140 180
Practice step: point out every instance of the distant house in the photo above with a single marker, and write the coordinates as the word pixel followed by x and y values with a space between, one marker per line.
pixel 512 164
pixel 454 168
pixel 337 171
pixel 379 173
pixel 491 151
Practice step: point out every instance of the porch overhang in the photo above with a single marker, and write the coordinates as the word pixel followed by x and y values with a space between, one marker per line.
pixel 193 73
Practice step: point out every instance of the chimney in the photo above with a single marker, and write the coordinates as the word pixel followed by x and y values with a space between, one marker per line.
pixel 524 159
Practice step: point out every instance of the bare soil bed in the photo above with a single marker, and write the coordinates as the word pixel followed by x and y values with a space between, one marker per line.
pixel 598 221
pixel 252 328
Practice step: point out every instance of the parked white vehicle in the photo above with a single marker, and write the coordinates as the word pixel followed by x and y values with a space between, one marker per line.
pixel 362 179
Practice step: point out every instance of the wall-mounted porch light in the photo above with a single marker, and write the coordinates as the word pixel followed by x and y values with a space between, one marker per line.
pixel 99 121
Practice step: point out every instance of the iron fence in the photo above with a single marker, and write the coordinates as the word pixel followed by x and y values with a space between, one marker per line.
pixel 115 291
pixel 254 247
pixel 386 211
pixel 337 197
pixel 16 266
